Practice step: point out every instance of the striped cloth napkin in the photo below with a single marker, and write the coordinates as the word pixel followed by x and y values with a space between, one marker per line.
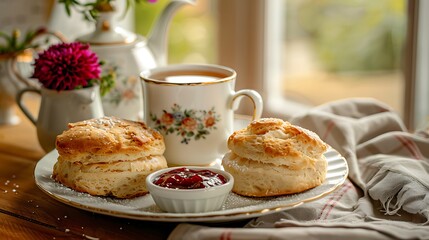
pixel 385 197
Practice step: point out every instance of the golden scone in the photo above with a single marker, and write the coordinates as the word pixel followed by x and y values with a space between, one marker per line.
pixel 108 157
pixel 272 157
pixel 108 139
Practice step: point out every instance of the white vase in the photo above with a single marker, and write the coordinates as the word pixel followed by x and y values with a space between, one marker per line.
pixel 11 82
pixel 58 108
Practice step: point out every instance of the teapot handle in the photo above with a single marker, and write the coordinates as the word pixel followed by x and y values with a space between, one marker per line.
pixel 157 40
pixel 22 106
pixel 14 64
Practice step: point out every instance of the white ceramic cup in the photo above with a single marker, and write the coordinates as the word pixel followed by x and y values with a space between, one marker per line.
pixel 192 106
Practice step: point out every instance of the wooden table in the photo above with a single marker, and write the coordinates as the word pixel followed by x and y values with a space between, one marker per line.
pixel 28 213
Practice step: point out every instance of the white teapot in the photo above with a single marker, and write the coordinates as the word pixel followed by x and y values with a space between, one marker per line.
pixel 126 54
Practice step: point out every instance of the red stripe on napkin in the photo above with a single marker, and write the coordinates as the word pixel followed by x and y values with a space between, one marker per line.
pixel 333 200
pixel 410 146
pixel 226 235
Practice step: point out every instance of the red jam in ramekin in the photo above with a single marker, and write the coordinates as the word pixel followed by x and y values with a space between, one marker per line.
pixel 185 178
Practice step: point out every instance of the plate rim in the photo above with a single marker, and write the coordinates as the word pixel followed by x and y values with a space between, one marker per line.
pixel 189 217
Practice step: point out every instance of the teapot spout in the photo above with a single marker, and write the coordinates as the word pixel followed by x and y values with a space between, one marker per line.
pixel 157 40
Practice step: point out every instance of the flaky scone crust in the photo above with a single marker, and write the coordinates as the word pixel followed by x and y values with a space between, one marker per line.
pixel 108 139
pixel 272 157
pixel 257 179
pixel 123 179
pixel 274 141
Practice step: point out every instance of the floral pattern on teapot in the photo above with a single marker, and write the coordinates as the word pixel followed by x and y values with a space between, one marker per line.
pixel 125 89
pixel 188 123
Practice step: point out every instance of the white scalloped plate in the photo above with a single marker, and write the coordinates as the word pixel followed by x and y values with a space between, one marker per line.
pixel 143 208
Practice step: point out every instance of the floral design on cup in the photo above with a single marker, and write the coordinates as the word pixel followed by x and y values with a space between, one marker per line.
pixel 187 123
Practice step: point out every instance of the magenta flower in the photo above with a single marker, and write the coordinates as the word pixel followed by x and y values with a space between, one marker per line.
pixel 66 66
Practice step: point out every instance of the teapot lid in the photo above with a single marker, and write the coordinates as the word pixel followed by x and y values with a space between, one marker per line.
pixel 107 33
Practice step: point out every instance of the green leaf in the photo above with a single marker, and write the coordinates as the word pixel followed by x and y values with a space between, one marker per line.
pixel 190 134
pixel 107 82
pixel 13 44
pixel 202 132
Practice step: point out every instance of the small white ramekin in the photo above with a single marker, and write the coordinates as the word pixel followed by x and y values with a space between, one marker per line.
pixel 190 200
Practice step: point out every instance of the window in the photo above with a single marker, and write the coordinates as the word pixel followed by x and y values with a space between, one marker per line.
pixel 338 49
pixel 417 93
pixel 281 59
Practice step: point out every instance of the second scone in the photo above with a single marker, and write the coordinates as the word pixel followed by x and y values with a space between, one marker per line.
pixel 272 157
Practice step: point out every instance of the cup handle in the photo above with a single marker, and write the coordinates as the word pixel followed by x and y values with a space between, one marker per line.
pixel 254 96
pixel 23 107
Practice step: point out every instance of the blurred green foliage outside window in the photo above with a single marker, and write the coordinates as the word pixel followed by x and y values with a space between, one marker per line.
pixel 351 35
